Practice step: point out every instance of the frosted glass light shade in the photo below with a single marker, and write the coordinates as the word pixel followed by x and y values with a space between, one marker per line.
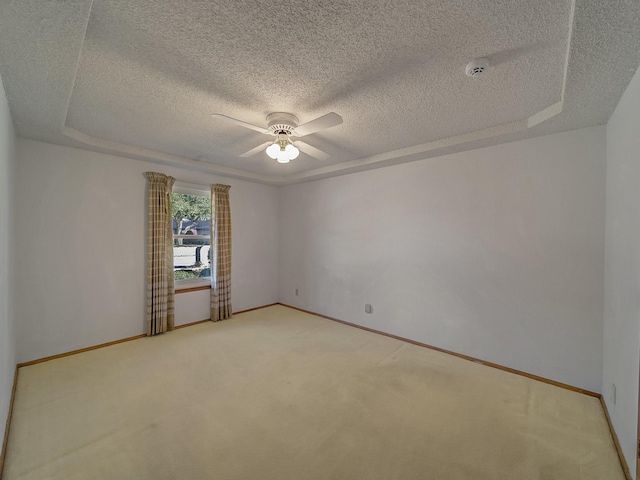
pixel 292 151
pixel 283 156
pixel 273 150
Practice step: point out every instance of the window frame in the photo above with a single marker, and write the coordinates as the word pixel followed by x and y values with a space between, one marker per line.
pixel 192 284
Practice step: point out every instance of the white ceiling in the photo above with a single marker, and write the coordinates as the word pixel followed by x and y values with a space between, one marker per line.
pixel 141 78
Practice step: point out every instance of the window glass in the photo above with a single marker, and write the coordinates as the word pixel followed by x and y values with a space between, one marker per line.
pixel 191 227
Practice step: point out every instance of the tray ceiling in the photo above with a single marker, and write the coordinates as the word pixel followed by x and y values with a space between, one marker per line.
pixel 141 78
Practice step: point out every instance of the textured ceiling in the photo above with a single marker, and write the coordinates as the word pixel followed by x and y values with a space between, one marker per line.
pixel 141 78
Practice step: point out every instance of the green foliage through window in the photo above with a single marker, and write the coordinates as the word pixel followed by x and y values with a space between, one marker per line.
pixel 193 207
pixel 191 226
pixel 185 274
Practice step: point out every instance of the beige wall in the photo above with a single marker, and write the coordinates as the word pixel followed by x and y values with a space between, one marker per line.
pixel 622 271
pixel 496 253
pixel 81 248
pixel 7 220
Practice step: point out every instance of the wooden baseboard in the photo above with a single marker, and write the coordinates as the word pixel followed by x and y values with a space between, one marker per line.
pixel 81 350
pixel 74 352
pixel 616 442
pixel 191 324
pixel 455 354
pixel 5 440
pixel 198 322
pixel 420 344
pixel 122 340
pixel 255 308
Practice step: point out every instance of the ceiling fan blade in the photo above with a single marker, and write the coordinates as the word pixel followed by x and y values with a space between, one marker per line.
pixel 224 118
pixel 258 149
pixel 313 151
pixel 321 123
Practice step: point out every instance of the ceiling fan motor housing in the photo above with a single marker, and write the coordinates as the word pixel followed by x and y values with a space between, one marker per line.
pixel 281 122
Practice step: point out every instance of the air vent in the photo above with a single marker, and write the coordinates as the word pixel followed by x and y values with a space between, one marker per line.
pixel 477 67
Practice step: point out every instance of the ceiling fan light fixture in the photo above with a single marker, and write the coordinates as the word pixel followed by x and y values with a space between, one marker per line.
pixel 292 151
pixel 283 157
pixel 273 150
pixel 282 149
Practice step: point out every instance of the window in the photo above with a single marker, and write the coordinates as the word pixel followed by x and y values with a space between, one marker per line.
pixel 191 211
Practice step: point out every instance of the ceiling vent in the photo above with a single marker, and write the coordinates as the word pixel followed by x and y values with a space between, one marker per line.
pixel 477 67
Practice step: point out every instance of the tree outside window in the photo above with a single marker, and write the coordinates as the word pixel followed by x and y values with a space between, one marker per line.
pixel 191 239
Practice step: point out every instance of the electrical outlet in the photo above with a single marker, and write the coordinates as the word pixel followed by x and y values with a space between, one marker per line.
pixel 368 308
pixel 296 292
pixel 613 393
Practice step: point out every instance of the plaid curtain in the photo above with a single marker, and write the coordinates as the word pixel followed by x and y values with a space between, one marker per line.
pixel 221 256
pixel 160 289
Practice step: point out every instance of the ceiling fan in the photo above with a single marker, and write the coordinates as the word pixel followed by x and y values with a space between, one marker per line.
pixel 283 126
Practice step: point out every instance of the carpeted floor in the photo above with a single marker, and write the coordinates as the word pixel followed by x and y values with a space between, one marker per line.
pixel 279 394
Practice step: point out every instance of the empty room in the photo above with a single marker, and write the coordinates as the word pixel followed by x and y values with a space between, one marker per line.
pixel 335 239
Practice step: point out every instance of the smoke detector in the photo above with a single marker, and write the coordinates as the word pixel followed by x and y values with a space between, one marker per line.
pixel 477 67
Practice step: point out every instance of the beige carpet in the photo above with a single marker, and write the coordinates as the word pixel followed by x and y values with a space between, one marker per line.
pixel 279 394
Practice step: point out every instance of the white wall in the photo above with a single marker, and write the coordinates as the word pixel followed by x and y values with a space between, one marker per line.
pixel 496 253
pixel 622 270
pixel 80 277
pixel 7 329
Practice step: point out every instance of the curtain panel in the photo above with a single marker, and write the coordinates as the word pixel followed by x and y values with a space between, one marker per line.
pixel 221 256
pixel 160 279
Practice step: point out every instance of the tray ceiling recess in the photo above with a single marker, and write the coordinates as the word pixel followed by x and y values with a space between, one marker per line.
pixel 409 80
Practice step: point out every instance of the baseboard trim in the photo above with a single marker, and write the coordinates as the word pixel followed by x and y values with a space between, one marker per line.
pixel 455 354
pixel 198 322
pixel 74 352
pixel 80 350
pixel 614 436
pixel 122 340
pixel 256 308
pixel 5 441
pixel 616 442
pixel 191 324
